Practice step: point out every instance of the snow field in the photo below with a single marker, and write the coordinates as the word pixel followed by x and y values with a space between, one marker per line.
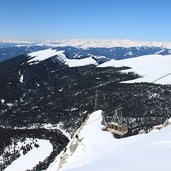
pixel 33 157
pixel 99 150
pixel 150 67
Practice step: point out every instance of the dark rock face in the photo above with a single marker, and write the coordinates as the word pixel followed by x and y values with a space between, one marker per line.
pixel 51 92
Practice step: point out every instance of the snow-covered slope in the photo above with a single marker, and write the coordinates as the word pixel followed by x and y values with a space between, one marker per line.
pixel 39 56
pixel 75 62
pixel 150 67
pixel 99 150
pixel 33 157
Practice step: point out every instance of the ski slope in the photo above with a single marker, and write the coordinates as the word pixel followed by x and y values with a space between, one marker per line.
pixel 150 67
pixel 100 151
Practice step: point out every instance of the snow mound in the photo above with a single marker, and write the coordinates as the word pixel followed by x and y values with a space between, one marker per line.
pixel 150 67
pixel 98 150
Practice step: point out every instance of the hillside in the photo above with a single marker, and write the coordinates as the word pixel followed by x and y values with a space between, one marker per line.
pixel 47 95
pixel 149 67
pixel 99 150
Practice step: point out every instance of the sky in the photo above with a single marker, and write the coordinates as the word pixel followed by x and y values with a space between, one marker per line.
pixel 85 19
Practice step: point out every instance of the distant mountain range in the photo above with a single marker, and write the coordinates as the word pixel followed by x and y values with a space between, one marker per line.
pixel 109 49
pixel 86 43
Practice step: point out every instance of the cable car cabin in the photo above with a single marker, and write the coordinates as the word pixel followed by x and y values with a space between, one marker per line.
pixel 118 129
pixel 116 125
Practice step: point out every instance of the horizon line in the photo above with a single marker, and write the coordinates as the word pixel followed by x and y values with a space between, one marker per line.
pixel 4 40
